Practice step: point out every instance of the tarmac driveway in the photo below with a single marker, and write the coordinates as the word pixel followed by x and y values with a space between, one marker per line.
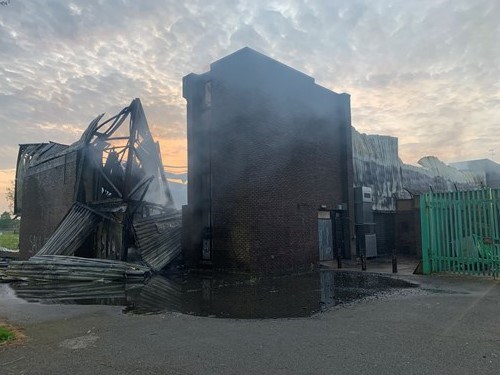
pixel 451 325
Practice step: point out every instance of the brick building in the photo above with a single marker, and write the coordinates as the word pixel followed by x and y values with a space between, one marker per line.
pixel 269 151
pixel 104 196
pixel 45 191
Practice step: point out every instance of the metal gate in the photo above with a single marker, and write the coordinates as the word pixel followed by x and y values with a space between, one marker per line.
pixel 460 232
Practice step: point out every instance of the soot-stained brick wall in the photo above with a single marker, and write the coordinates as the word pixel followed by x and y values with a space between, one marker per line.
pixel 48 193
pixel 267 147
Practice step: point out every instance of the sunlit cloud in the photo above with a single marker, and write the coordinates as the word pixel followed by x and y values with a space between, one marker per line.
pixel 424 71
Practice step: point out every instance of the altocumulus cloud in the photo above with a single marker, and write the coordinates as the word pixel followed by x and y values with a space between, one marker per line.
pixel 425 71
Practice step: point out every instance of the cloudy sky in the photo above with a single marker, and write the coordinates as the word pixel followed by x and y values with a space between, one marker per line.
pixel 426 71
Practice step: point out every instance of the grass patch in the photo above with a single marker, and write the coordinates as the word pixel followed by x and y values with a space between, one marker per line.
pixel 9 240
pixel 6 335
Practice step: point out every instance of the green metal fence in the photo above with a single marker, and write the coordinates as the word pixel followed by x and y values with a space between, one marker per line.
pixel 460 232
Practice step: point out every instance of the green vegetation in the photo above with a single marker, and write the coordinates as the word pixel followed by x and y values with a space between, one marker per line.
pixel 10 194
pixel 9 240
pixel 9 231
pixel 8 222
pixel 6 335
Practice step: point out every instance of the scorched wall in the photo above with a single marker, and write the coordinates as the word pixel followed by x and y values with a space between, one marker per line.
pixel 267 147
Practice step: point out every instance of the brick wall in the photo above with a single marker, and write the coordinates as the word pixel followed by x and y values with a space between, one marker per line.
pixel 47 195
pixel 276 147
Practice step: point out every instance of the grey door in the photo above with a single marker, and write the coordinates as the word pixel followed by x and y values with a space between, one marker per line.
pixel 325 239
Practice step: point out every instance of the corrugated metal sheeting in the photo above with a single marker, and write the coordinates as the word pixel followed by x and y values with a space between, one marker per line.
pixel 376 164
pixel 72 232
pixel 159 239
pixel 70 268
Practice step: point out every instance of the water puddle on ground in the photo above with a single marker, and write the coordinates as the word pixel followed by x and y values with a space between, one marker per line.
pixel 220 296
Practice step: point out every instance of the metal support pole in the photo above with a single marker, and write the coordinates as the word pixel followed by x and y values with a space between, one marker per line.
pixel 394 261
pixel 363 260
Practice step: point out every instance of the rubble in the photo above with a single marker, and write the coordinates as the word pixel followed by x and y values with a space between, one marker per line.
pixel 70 268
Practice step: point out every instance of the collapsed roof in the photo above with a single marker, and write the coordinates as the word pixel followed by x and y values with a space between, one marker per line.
pixel 121 206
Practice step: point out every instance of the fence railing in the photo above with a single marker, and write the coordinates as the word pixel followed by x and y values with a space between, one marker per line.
pixel 460 232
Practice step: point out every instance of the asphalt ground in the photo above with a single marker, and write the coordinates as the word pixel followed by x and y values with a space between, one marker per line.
pixel 449 325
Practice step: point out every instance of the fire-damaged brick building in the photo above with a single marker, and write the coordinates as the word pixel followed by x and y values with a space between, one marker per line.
pixel 269 158
pixel 105 196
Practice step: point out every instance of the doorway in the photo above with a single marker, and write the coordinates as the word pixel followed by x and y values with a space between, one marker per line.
pixel 325 236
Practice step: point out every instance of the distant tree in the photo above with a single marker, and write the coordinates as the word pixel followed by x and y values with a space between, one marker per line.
pixel 9 195
pixel 5 216
pixel 5 220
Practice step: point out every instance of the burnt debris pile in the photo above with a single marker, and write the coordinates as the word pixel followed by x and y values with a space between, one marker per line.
pixel 70 268
pixel 100 208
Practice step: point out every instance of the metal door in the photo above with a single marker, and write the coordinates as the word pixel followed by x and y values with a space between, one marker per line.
pixel 325 239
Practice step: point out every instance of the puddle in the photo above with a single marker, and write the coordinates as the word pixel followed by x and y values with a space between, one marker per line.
pixel 220 296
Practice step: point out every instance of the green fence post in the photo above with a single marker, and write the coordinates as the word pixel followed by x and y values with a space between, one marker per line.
pixel 424 212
